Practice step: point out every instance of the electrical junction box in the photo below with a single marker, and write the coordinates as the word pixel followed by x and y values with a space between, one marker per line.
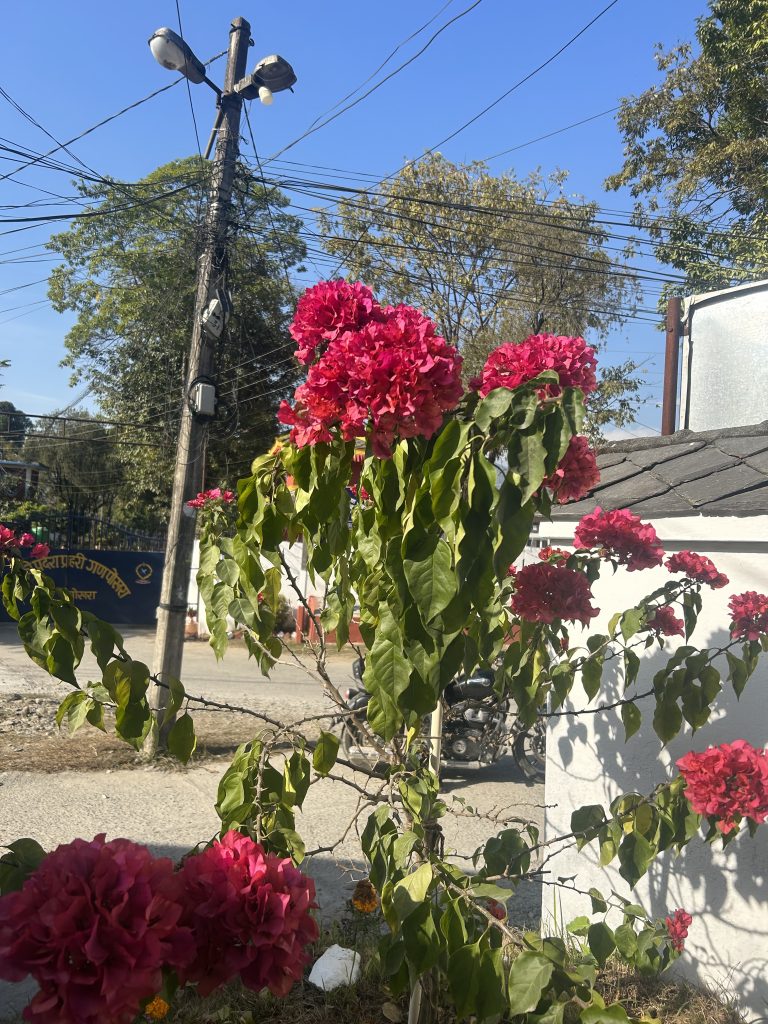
pixel 203 400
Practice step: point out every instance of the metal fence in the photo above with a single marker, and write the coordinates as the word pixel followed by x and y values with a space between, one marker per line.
pixel 76 530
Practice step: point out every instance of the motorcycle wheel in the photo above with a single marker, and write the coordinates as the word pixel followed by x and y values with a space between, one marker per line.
pixel 530 752
pixel 360 756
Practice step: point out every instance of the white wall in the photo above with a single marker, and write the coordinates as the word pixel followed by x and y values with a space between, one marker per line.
pixel 588 762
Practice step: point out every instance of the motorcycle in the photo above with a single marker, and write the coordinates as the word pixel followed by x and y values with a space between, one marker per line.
pixel 478 728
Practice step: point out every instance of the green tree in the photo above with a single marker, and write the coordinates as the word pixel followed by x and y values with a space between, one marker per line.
pixel 489 258
pixel 695 149
pixel 13 428
pixel 82 469
pixel 128 273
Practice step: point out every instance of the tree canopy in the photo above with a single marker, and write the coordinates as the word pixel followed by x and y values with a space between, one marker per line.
pixel 490 258
pixel 695 149
pixel 128 273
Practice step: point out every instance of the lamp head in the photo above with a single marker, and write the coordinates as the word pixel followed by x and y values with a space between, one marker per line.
pixel 170 50
pixel 272 74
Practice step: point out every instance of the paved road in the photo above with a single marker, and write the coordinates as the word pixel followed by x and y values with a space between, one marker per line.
pixel 171 810
pixel 235 677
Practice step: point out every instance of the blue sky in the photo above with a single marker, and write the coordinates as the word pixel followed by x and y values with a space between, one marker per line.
pixel 71 65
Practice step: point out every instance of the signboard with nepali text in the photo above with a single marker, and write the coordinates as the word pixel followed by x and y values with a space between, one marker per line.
pixel 121 587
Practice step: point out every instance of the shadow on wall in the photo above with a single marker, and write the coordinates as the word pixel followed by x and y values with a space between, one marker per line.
pixel 725 890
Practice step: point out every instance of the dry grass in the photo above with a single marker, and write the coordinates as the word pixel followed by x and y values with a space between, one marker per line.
pixel 662 999
pixel 666 999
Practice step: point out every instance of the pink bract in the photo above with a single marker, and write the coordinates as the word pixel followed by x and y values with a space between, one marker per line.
pixel 727 783
pixel 697 567
pixel 215 494
pixel 93 925
pixel 545 592
pixel 620 535
pixel 326 311
pixel 394 378
pixel 40 551
pixel 510 366
pixel 250 913
pixel 749 613
pixel 576 474
pixel 666 623
pixel 677 928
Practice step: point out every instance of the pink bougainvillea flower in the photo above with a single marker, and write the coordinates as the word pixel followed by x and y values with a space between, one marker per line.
pixel 94 925
pixel 26 540
pixel 698 568
pixel 576 474
pixel 250 913
pixel 545 592
pixel 326 311
pixel 727 783
pixel 677 928
pixel 393 378
pixel 666 623
pixel 496 909
pixel 621 536
pixel 749 614
pixel 550 554
pixel 40 551
pixel 510 365
pixel 206 497
pixel 8 538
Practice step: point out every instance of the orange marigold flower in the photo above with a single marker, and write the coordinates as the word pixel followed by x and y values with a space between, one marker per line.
pixel 157 1009
pixel 365 898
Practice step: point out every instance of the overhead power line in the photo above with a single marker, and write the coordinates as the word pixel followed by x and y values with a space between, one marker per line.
pixel 107 120
pixel 316 127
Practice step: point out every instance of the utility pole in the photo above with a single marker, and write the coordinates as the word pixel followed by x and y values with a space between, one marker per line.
pixel 190 452
pixel 671 366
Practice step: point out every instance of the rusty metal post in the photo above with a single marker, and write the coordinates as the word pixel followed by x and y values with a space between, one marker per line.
pixel 671 363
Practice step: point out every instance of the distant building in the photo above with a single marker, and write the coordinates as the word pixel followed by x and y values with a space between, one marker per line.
pixel 19 480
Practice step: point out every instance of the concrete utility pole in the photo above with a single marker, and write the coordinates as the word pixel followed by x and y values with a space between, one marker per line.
pixel 188 474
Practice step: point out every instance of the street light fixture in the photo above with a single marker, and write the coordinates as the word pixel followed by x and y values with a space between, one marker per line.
pixel 170 50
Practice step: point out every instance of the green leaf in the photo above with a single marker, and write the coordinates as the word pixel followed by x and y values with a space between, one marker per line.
pixel 176 695
pixel 430 577
pixel 181 739
pixel 464 978
pixel 579 925
pixel 422 940
pixel 68 621
pixel 530 464
pixel 599 904
pixel 23 857
pixel 626 940
pixel 635 856
pixel 667 720
pixel 737 673
pixel 601 941
pixel 529 978
pixel 615 1014
pixel 411 891
pixel 632 718
pixel 631 622
pixel 494 405
pixel 74 708
pixel 386 677
pixel 592 673
pixel 325 753
pixel 587 819
pixel 491 994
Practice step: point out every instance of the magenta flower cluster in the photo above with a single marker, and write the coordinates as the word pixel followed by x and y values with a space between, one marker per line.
pixel 98 923
pixel 377 372
pixel 11 542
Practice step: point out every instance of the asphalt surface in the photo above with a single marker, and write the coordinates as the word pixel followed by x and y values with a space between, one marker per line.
pixel 172 810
